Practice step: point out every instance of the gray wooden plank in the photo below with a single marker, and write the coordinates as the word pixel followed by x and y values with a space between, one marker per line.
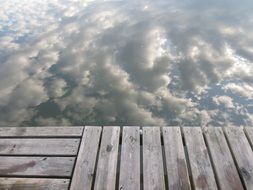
pixel 249 133
pixel 85 164
pixel 107 161
pixel 242 153
pixel 39 146
pixel 41 131
pixel 130 159
pixel 153 172
pixel 200 164
pixel 226 172
pixel 177 171
pixel 33 184
pixel 36 166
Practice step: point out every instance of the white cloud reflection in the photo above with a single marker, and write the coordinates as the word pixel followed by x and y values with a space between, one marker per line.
pixel 72 62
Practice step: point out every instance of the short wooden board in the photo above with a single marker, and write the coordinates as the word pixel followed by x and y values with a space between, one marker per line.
pixel 39 146
pixel 33 184
pixel 36 166
pixel 41 132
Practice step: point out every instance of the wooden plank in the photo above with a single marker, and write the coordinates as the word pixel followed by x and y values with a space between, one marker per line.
pixel 39 146
pixel 226 172
pixel 130 159
pixel 178 177
pixel 107 162
pixel 249 133
pixel 242 153
pixel 85 164
pixel 41 131
pixel 202 172
pixel 33 184
pixel 153 173
pixel 36 166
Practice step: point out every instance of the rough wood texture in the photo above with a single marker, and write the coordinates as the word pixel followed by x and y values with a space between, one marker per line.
pixel 107 161
pixel 130 159
pixel 249 133
pixel 202 172
pixel 175 159
pixel 33 184
pixel 39 146
pixel 153 173
pixel 36 166
pixel 41 131
pixel 228 178
pixel 43 158
pixel 85 164
pixel 242 152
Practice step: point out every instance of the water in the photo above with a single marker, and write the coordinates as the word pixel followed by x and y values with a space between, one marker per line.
pixel 116 62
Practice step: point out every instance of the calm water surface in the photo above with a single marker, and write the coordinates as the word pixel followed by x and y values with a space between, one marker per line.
pixel 122 62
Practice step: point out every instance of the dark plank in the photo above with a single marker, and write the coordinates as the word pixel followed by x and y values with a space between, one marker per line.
pixel 41 131
pixel 226 172
pixel 33 184
pixel 202 172
pixel 153 173
pixel 130 159
pixel 85 164
pixel 107 162
pixel 36 166
pixel 175 159
pixel 39 146
pixel 243 154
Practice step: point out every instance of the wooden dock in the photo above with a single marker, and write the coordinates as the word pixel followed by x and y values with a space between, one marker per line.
pixel 126 158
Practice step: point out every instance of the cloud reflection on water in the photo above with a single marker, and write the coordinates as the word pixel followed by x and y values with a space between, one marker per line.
pixel 73 62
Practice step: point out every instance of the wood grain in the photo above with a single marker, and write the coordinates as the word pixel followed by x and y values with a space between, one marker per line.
pixel 249 134
pixel 130 159
pixel 108 158
pixel 175 159
pixel 153 172
pixel 41 131
pixel 201 168
pixel 242 153
pixel 36 166
pixel 85 164
pixel 39 146
pixel 228 178
pixel 33 184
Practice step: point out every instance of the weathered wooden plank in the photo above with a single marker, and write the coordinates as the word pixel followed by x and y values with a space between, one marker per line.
pixel 85 164
pixel 202 172
pixel 153 173
pixel 249 133
pixel 41 131
pixel 36 166
pixel 226 172
pixel 177 172
pixel 33 184
pixel 130 159
pixel 39 146
pixel 242 152
pixel 107 162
